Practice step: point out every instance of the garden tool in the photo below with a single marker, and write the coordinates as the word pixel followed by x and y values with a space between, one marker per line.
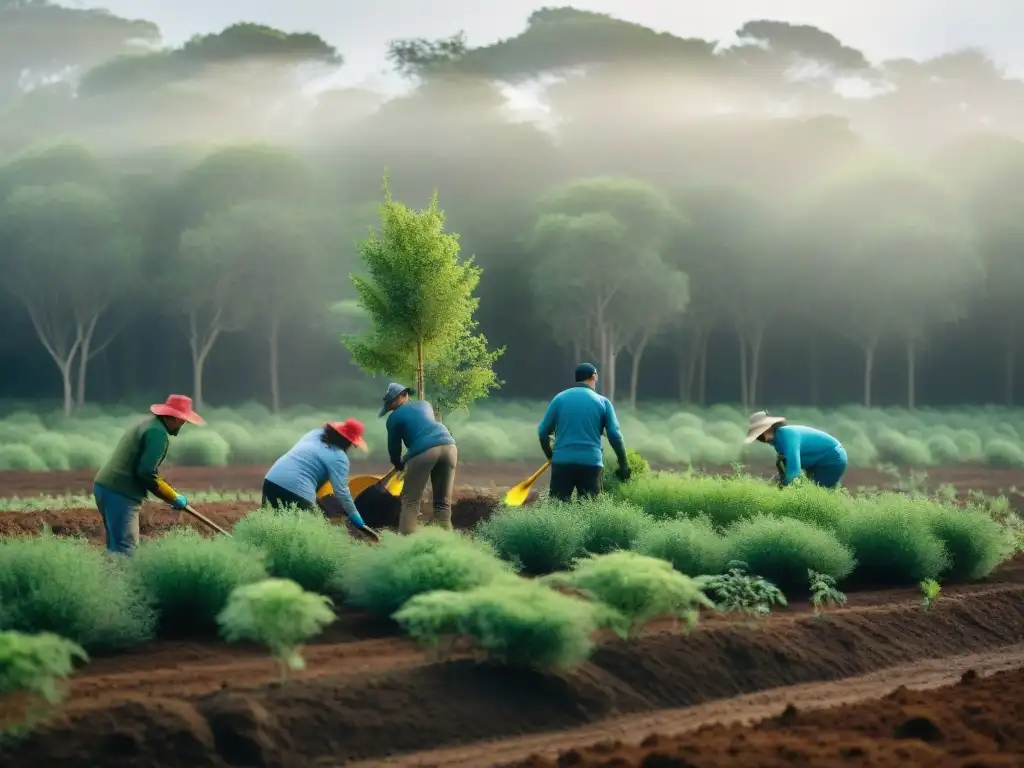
pixel 393 481
pixel 517 495
pixel 205 520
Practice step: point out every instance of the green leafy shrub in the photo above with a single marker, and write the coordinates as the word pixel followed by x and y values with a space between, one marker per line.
pixel 638 467
pixel 931 589
pixel 538 538
pixel 188 578
pixel 640 588
pixel 19 457
pixel 892 541
pixel 298 545
pixel 740 591
pixel 975 543
pixel 35 664
pixel 199 448
pixel 824 591
pixel 512 621
pixel 70 588
pixel 382 578
pixel 692 547
pixel 276 613
pixel 783 550
pixel 610 524
pixel 1003 453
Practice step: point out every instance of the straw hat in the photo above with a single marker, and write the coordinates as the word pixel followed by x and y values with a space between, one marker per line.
pixel 759 423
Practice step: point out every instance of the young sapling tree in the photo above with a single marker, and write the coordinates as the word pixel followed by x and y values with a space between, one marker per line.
pixel 824 592
pixel 739 590
pixel 930 588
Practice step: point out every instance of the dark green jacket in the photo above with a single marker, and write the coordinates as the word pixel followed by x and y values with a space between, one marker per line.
pixel 133 468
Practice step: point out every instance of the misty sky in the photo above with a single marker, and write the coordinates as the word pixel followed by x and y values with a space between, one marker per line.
pixel 361 28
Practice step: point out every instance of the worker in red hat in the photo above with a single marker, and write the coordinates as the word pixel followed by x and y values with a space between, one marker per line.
pixel 319 456
pixel 133 471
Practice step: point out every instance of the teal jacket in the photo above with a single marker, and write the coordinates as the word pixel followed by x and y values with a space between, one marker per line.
pixel 803 448
pixel 414 424
pixel 578 417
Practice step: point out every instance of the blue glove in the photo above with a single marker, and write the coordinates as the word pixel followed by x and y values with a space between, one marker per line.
pixel 180 502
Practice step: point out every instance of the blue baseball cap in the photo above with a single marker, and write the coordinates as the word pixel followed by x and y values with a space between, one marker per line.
pixel 394 391
pixel 584 371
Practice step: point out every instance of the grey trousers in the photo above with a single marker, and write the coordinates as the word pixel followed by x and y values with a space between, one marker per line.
pixel 437 465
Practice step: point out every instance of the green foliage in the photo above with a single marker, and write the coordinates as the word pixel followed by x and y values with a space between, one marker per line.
pixel 739 590
pixel 297 545
pixel 464 372
pixel 70 588
pixel 638 587
pixel 538 538
pixel 931 589
pixel 693 547
pixel 973 541
pixel 638 467
pixel 512 621
pixel 276 613
pixel 824 591
pixel 34 664
pixel 188 578
pixel 892 541
pixel 784 550
pixel 611 524
pixel 382 578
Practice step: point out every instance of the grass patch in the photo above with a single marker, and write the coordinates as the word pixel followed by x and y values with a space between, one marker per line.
pixel 188 578
pixel 70 588
pixel 540 538
pixel 637 587
pixel 783 550
pixel 382 578
pixel 892 541
pixel 513 621
pixel 297 545
pixel 693 547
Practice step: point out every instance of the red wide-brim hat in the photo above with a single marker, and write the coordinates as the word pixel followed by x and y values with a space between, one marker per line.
pixel 177 407
pixel 351 429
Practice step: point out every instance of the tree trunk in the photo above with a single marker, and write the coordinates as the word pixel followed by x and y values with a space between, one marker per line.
pixel 273 340
pixel 869 370
pixel 744 398
pixel 419 371
pixel 1009 366
pixel 85 354
pixel 634 377
pixel 755 344
pixel 53 340
pixel 65 375
pixel 200 344
pixel 688 368
pixel 911 374
pixel 702 374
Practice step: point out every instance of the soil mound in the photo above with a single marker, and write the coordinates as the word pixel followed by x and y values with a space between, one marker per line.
pixel 369 715
pixel 974 723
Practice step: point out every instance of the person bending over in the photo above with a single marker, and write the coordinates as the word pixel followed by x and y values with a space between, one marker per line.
pixel 578 417
pixel 320 455
pixel 800 449
pixel 430 454
pixel 133 471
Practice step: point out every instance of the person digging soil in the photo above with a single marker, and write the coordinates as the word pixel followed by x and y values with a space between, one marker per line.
pixel 132 472
pixel 799 449
pixel 320 456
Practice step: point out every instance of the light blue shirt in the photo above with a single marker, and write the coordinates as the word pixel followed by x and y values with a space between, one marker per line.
pixel 804 448
pixel 308 465
pixel 578 417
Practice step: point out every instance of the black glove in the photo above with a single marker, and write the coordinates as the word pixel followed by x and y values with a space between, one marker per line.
pixel 545 445
pixel 399 466
pixel 624 472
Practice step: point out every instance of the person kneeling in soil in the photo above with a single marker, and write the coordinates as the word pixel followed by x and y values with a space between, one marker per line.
pixel 800 449
pixel 430 454
pixel 578 417
pixel 132 472
pixel 320 456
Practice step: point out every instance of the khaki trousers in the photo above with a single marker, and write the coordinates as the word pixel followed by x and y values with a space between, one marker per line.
pixel 437 465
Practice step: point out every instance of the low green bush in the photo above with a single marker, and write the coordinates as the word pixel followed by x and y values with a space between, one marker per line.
pixel 1001 452
pixel 892 541
pixel 974 542
pixel 783 550
pixel 610 524
pixel 738 590
pixel 297 545
pixel 512 621
pixel 279 614
pixel 34 665
pixel 188 578
pixel 639 588
pixel 692 547
pixel 539 538
pixel 70 588
pixel 638 467
pixel 382 578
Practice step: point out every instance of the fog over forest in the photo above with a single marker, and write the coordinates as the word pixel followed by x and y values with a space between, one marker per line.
pixel 780 219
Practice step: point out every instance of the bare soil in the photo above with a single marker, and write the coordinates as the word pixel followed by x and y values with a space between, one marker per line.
pixel 368 695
